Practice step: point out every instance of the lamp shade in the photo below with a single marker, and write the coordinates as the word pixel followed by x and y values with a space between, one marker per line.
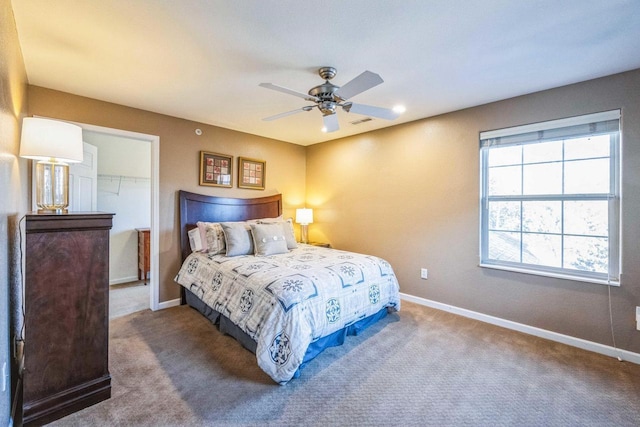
pixel 304 216
pixel 44 139
pixel 53 144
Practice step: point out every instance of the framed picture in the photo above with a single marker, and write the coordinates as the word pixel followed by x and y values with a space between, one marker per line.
pixel 216 170
pixel 251 173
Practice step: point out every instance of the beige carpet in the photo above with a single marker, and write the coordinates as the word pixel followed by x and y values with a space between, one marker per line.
pixel 418 367
pixel 128 298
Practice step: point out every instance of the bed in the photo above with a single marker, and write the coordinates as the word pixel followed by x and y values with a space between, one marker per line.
pixel 284 306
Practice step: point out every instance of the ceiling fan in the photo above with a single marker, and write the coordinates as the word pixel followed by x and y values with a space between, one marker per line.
pixel 328 97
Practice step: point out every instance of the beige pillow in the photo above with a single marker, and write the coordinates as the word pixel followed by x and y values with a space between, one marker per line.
pixel 287 227
pixel 265 220
pixel 269 239
pixel 212 237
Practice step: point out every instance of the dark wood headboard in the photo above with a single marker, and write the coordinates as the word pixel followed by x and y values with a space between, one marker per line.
pixel 198 207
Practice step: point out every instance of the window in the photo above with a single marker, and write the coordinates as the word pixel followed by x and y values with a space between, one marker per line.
pixel 550 198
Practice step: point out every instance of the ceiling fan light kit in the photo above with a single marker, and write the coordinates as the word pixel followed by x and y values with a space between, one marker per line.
pixel 328 97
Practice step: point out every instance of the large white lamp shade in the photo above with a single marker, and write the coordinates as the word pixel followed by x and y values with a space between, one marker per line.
pixel 304 217
pixel 53 144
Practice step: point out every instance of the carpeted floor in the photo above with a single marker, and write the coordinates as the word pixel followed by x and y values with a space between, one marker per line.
pixel 418 367
pixel 128 298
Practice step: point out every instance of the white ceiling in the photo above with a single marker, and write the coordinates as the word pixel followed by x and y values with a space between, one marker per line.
pixel 203 59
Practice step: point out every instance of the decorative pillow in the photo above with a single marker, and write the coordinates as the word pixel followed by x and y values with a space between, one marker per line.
pixel 268 239
pixel 264 220
pixel 195 242
pixel 287 227
pixel 212 236
pixel 238 238
pixel 289 234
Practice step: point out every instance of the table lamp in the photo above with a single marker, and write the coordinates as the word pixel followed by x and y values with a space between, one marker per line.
pixel 304 217
pixel 53 144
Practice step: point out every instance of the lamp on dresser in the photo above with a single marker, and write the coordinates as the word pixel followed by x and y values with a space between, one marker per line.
pixel 53 144
pixel 304 217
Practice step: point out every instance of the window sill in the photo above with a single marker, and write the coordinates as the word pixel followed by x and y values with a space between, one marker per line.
pixel 553 275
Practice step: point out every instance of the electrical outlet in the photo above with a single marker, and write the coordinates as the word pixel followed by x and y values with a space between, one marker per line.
pixel 5 376
pixel 424 273
pixel 638 318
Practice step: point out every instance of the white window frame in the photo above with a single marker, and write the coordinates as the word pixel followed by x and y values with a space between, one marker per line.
pixel 533 133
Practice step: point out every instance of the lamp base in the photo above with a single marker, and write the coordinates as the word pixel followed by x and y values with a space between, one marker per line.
pixel 53 211
pixel 304 237
pixel 52 186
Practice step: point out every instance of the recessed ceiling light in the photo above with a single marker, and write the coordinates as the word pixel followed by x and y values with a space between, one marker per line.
pixel 399 109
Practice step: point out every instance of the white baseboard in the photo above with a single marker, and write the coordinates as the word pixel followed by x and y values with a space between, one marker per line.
pixel 168 304
pixel 123 280
pixel 531 330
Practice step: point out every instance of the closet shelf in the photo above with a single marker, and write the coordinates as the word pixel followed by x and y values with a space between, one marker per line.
pixel 124 177
pixel 120 178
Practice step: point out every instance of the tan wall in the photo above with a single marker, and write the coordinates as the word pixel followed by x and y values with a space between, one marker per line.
pixel 13 184
pixel 410 195
pixel 179 157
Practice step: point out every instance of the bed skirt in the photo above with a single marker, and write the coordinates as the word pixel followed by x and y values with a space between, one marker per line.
pixel 314 349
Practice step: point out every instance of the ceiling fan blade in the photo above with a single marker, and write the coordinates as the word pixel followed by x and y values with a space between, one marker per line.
pixel 331 122
pixel 363 82
pixel 288 113
pixel 369 110
pixel 289 91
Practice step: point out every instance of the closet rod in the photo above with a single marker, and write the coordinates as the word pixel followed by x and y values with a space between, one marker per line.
pixel 121 178
pixel 141 178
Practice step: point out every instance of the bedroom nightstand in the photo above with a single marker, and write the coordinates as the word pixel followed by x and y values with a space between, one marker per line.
pixel 321 244
pixel 66 299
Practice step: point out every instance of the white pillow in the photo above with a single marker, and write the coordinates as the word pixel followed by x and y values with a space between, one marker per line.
pixel 212 237
pixel 268 239
pixel 195 242
pixel 238 238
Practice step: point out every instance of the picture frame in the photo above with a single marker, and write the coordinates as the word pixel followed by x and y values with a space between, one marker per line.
pixel 216 170
pixel 251 173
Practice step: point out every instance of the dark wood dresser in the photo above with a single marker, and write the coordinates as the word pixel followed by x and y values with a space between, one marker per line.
pixel 66 298
pixel 144 265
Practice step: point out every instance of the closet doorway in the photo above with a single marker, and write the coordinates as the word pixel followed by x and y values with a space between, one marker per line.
pixel 127 185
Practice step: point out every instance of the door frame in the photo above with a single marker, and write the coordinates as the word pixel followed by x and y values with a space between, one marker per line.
pixel 154 249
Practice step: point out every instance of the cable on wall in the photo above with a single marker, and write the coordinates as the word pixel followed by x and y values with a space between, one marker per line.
pixel 613 336
pixel 21 339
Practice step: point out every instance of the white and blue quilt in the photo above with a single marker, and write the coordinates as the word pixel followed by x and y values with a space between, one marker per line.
pixel 285 302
